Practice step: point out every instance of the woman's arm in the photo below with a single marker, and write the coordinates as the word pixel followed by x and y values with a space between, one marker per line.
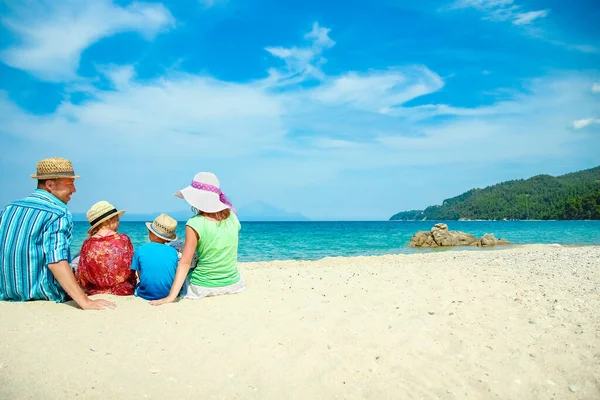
pixel 189 248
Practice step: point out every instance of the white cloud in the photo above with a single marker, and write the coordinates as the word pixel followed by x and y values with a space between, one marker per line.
pixel 482 4
pixel 301 62
pixel 283 144
pixel 52 34
pixel 525 18
pixel 509 11
pixel 502 10
pixel 378 90
pixel 584 123
pixel 506 130
pixel 119 75
pixel 596 88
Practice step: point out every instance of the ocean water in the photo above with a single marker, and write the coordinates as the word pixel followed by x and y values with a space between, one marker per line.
pixel 266 241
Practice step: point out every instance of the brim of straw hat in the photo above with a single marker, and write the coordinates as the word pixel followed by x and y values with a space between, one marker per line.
pixel 160 235
pixel 54 176
pixel 202 200
pixel 118 213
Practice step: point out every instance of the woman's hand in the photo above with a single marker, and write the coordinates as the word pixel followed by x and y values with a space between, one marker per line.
pixel 166 300
pixel 183 267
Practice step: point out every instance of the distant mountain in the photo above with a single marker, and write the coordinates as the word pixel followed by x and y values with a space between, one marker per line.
pixel 260 211
pixel 570 196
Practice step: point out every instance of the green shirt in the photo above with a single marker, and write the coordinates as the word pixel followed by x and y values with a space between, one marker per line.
pixel 217 251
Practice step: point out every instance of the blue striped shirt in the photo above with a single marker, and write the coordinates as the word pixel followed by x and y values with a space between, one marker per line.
pixel 34 232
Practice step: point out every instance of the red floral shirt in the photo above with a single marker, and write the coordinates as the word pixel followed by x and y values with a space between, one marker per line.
pixel 104 265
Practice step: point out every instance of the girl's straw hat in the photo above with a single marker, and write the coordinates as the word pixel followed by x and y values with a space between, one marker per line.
pixel 164 227
pixel 205 194
pixel 100 212
pixel 54 168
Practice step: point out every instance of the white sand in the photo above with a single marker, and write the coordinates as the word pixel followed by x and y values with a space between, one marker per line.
pixel 520 323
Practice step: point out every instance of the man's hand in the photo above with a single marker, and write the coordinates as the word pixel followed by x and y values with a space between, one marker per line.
pixel 162 301
pixel 64 275
pixel 97 304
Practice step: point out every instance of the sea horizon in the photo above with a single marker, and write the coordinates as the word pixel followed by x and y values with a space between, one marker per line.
pixel 313 240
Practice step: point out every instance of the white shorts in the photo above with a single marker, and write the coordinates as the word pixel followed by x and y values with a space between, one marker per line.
pixel 195 292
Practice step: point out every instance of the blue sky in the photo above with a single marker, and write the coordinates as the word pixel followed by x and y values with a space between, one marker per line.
pixel 338 110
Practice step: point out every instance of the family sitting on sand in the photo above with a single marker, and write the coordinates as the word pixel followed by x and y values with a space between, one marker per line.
pixel 36 233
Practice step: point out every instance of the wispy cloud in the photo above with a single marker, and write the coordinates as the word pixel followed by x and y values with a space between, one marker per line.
pixel 584 123
pixel 301 62
pixel 353 112
pixel 596 87
pixel 510 11
pixel 584 48
pixel 502 10
pixel 51 36
pixel 378 91
pixel 279 130
pixel 526 18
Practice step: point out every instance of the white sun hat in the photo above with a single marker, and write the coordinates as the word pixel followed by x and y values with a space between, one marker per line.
pixel 205 194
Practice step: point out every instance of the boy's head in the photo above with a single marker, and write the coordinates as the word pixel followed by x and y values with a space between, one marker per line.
pixel 156 239
pixel 162 230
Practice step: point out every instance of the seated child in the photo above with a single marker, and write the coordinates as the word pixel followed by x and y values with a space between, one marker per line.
pixel 156 262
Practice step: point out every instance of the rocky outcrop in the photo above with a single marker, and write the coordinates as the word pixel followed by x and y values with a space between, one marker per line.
pixel 443 237
pixel 440 236
pixel 422 239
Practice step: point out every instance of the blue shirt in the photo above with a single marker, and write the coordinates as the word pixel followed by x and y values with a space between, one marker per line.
pixel 156 264
pixel 34 232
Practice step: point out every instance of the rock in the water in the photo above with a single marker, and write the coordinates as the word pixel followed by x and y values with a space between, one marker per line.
pixel 441 236
pixel 422 239
pixel 487 240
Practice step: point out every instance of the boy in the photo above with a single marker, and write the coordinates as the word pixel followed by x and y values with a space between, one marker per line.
pixel 156 262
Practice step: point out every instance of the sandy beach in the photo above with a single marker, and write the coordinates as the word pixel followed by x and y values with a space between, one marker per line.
pixel 517 323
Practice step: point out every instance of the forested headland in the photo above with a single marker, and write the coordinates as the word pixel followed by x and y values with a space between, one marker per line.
pixel 571 196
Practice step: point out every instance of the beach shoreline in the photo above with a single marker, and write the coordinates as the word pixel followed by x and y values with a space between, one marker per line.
pixel 520 321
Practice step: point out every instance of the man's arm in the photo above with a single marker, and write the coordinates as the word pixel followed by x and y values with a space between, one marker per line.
pixel 56 250
pixel 64 275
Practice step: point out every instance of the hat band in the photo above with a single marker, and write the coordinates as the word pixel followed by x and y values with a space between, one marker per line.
pixel 158 225
pixel 169 235
pixel 65 174
pixel 101 217
pixel 214 189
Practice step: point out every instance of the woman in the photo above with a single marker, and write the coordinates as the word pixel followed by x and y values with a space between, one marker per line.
pixel 105 258
pixel 213 234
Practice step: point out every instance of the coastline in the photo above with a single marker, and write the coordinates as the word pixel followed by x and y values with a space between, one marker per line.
pixel 314 240
pixel 516 322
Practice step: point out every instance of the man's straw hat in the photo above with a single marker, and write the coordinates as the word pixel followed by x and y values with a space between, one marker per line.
pixel 100 212
pixel 54 168
pixel 164 227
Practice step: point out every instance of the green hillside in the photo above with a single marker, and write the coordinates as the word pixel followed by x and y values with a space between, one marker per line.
pixel 570 196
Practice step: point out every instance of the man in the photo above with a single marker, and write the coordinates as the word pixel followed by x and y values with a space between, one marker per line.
pixel 35 235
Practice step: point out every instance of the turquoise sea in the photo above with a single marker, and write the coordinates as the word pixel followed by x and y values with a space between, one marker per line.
pixel 265 241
